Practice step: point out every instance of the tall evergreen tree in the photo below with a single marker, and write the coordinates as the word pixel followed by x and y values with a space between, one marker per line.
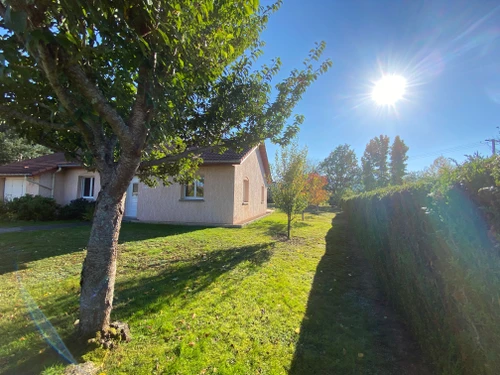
pixel 374 163
pixel 398 161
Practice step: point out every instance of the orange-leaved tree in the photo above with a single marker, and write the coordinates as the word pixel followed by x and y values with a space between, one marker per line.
pixel 315 189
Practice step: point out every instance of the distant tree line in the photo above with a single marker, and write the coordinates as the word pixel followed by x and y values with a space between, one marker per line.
pixel 381 165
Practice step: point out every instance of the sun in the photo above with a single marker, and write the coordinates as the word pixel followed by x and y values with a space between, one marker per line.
pixel 389 89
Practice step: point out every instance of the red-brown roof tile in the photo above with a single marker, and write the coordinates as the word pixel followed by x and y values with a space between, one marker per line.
pixel 34 166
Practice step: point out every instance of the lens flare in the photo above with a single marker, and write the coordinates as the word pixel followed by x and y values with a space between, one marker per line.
pixel 44 326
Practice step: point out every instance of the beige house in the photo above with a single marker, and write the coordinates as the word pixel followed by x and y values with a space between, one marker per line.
pixel 231 189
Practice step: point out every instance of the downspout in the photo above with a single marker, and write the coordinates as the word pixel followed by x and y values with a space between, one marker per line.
pixel 54 181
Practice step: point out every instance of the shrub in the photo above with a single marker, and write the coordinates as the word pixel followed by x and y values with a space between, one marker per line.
pixel 36 208
pixel 78 209
pixel 5 214
pixel 435 251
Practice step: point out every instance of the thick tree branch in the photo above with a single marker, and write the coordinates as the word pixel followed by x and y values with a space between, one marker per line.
pixel 14 114
pixel 49 66
pixel 98 101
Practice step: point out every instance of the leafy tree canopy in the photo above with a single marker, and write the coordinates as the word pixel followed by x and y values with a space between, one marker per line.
pixel 315 189
pixel 160 78
pixel 14 148
pixel 342 171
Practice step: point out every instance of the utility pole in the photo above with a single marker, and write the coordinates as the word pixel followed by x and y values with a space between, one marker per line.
pixel 493 141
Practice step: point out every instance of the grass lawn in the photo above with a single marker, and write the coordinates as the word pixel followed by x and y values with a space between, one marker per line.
pixel 198 300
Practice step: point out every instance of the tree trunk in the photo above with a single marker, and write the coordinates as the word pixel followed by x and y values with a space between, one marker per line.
pixel 99 268
pixel 289 227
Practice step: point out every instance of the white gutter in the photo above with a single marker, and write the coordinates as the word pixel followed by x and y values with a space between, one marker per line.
pixel 54 181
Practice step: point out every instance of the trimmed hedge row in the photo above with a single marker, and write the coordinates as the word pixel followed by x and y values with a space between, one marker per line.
pixel 435 250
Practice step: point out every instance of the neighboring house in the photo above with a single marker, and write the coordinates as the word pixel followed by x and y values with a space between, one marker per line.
pixel 231 189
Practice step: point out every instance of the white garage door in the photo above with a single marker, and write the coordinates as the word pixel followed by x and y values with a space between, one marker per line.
pixel 14 188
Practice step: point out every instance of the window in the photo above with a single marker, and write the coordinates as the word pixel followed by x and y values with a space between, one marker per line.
pixel 246 190
pixel 135 188
pixel 262 194
pixel 194 190
pixel 87 187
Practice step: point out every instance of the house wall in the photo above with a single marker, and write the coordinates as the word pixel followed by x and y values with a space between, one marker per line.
pixel 31 185
pixel 45 181
pixel 253 169
pixel 164 204
pixel 67 186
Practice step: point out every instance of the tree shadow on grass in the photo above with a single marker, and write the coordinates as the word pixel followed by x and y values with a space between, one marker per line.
pixel 185 276
pixel 179 276
pixel 349 328
pixel 280 229
pixel 19 249
pixel 328 342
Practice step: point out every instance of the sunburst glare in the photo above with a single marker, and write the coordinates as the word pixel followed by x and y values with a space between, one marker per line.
pixel 389 90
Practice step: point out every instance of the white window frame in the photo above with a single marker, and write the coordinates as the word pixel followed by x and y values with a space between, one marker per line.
pixel 82 187
pixel 195 197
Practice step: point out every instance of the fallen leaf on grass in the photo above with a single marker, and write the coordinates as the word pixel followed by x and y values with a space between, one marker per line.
pixel 297 330
pixel 360 355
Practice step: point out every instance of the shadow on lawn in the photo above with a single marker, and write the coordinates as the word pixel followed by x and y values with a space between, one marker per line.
pixel 19 249
pixel 316 352
pixel 185 277
pixel 349 327
pixel 179 276
pixel 280 229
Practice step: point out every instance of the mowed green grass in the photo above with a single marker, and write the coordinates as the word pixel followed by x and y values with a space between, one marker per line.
pixel 198 301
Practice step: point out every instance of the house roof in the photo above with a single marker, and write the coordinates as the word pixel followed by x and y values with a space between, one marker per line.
pixel 33 167
pixel 42 164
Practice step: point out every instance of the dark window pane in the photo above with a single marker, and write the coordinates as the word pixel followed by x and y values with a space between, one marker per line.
pixel 189 192
pixel 86 187
pixel 135 188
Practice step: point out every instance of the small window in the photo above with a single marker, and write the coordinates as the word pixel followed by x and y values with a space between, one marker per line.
pixel 194 190
pixel 135 188
pixel 87 187
pixel 246 190
pixel 262 194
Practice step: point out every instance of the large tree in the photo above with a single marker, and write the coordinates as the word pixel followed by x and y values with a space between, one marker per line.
pixel 140 87
pixel 374 163
pixel 342 171
pixel 398 161
pixel 289 188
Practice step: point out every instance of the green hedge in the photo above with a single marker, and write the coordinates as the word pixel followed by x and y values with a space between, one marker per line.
pixel 435 250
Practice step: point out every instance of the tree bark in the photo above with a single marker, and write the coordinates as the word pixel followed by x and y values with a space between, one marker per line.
pixel 99 268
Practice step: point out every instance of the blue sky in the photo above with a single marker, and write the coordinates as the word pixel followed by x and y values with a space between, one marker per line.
pixel 449 51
